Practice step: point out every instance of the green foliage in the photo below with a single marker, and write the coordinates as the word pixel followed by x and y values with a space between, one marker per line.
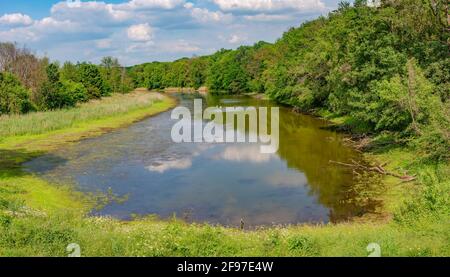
pixel 46 86
pixel 433 202
pixel 14 98
pixel 76 90
pixel 398 104
pixel 227 72
pixel 92 80
pixel 115 75
pixel 69 72
pixel 52 91
pixel 184 73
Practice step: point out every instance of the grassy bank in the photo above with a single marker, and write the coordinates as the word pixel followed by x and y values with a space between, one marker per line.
pixel 41 219
pixel 24 137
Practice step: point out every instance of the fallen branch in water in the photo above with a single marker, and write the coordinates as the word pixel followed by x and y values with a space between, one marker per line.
pixel 377 169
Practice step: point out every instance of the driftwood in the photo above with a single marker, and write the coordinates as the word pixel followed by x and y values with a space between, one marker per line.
pixel 377 169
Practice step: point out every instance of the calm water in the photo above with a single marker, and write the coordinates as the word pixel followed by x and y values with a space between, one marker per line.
pixel 216 183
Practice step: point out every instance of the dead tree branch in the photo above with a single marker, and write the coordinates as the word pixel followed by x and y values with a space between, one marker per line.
pixel 377 169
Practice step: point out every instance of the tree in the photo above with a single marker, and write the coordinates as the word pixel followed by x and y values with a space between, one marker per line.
pixel 69 72
pixel 54 96
pixel 28 68
pixel 92 80
pixel 14 98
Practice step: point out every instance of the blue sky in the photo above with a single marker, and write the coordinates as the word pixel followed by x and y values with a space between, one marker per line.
pixel 139 31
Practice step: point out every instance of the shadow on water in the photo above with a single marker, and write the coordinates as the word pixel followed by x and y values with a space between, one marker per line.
pixel 220 183
pixel 11 166
pixel 11 161
pixel 308 144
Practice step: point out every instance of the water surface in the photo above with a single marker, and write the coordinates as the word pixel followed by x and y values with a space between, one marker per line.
pixel 215 183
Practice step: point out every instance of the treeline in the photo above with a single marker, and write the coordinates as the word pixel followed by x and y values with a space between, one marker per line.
pixel 385 70
pixel 181 73
pixel 225 71
pixel 29 83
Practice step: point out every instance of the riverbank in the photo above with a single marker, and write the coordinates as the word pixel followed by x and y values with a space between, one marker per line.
pixel 41 219
pixel 24 137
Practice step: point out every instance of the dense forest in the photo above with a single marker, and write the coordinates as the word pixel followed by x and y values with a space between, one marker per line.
pixel 385 70
pixel 29 83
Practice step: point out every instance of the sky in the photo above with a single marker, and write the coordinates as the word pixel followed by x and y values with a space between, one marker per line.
pixel 138 31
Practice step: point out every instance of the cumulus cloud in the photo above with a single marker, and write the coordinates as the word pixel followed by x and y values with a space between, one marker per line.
pixel 140 32
pixel 98 13
pixel 44 28
pixel 16 19
pixel 269 5
pixel 204 15
pixel 163 4
pixel 184 27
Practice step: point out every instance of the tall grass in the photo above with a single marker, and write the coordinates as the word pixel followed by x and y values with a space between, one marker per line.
pixel 43 122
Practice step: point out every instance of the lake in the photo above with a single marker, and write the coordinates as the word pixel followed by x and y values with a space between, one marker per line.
pixel 216 183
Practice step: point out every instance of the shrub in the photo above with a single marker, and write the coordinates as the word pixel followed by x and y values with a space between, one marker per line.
pixel 76 90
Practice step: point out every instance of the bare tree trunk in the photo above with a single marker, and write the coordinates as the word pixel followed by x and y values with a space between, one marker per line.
pixel 411 97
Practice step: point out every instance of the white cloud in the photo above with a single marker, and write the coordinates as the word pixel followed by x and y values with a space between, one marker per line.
pixel 269 5
pixel 235 39
pixel 146 4
pixel 166 4
pixel 140 47
pixel 268 17
pixel 140 32
pixel 18 35
pixel 16 19
pixel 41 29
pixel 49 23
pixel 204 15
pixel 188 5
pixel 182 46
pixel 98 13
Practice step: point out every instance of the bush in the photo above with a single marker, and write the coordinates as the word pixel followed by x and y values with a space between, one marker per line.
pixel 14 98
pixel 434 142
pixel 76 90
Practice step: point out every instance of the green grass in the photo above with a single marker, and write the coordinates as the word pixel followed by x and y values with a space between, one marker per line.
pixel 45 131
pixel 41 219
pixel 44 122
